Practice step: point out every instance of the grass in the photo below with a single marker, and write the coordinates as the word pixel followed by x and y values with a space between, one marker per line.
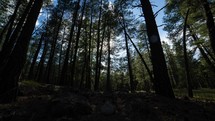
pixel 30 83
pixel 204 94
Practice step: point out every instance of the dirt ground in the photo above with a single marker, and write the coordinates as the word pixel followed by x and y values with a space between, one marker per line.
pixel 51 104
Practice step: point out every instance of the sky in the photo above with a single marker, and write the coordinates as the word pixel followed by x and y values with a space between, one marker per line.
pixel 159 19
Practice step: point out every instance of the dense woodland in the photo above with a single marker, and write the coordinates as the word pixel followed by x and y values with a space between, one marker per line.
pixel 101 45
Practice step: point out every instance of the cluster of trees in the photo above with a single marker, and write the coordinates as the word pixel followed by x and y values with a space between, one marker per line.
pixel 99 45
pixel 199 61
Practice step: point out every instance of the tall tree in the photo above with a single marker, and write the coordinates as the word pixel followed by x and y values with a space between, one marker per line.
pixel 8 46
pixel 88 77
pixel 96 86
pixel 108 85
pixel 56 30
pixel 11 72
pixel 31 71
pixel 162 82
pixel 66 59
pixel 189 84
pixel 210 23
pixel 77 42
pixel 128 55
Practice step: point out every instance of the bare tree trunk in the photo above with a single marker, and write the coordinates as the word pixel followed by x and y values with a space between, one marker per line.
pixel 96 86
pixel 60 57
pixel 210 23
pixel 128 56
pixel 40 68
pixel 64 71
pixel 142 59
pixel 189 84
pixel 53 48
pixel 8 47
pixel 77 43
pixel 205 56
pixel 10 24
pixel 11 73
pixel 88 77
pixel 31 71
pixel 161 77
pixel 9 31
pixel 101 49
pixel 108 87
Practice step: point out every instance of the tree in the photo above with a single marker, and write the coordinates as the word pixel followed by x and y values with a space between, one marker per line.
pixel 189 84
pixel 77 42
pixel 8 46
pixel 57 18
pixel 162 82
pixel 66 59
pixel 128 55
pixel 31 71
pixel 210 23
pixel 96 86
pixel 11 72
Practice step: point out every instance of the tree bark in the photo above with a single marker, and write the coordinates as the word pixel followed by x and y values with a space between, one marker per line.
pixel 9 31
pixel 64 71
pixel 8 47
pixel 77 43
pixel 142 59
pixel 10 24
pixel 202 51
pixel 101 49
pixel 108 87
pixel 12 71
pixel 88 78
pixel 53 48
pixel 31 71
pixel 96 86
pixel 128 56
pixel 210 23
pixel 161 77
pixel 40 68
pixel 189 84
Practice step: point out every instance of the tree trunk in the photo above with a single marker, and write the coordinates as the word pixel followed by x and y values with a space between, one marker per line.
pixel 9 31
pixel 60 56
pixel 108 87
pixel 8 47
pixel 208 52
pixel 64 71
pixel 77 43
pixel 40 68
pixel 189 84
pixel 88 78
pixel 161 77
pixel 84 68
pixel 96 86
pixel 210 23
pixel 204 55
pixel 10 24
pixel 11 73
pixel 101 49
pixel 128 56
pixel 53 48
pixel 142 59
pixel 31 71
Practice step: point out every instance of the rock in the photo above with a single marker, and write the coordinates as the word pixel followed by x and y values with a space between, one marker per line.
pixel 108 108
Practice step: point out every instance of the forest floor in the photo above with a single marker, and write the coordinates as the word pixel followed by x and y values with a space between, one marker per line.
pixel 53 103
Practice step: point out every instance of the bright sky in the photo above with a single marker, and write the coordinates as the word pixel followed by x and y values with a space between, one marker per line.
pixel 159 18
